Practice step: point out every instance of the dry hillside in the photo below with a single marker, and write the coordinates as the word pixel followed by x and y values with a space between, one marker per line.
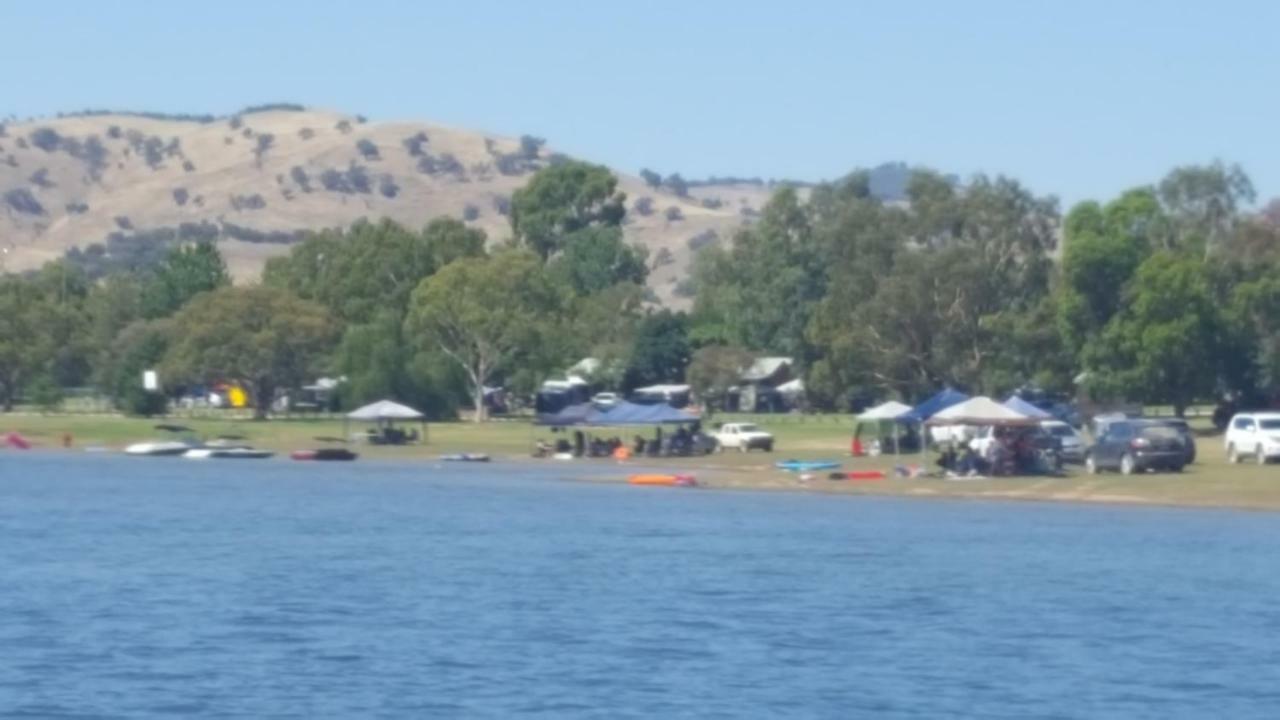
pixel 255 180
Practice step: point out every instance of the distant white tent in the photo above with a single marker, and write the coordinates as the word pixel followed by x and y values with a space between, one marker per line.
pixel 884 414
pixel 385 410
pixel 891 410
pixel 979 411
pixel 385 413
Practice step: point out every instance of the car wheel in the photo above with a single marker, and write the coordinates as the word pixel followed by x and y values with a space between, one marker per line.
pixel 1177 468
pixel 1259 456
pixel 1127 464
pixel 1233 455
pixel 1090 466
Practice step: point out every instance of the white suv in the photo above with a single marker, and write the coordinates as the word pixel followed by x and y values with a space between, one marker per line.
pixel 1256 435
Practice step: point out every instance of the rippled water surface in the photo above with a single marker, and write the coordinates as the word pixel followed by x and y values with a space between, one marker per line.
pixel 140 588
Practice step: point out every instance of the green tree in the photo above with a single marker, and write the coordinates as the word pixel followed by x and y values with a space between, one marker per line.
pixel 186 271
pixel 1204 202
pixel 1164 346
pixel 714 369
pixel 264 338
pixel 662 350
pixel 485 314
pixel 596 258
pixel 370 267
pixel 23 344
pixel 561 200
pixel 761 294
pixel 379 362
pixel 138 347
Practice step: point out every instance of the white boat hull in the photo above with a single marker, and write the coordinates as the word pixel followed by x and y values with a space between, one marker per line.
pixel 158 449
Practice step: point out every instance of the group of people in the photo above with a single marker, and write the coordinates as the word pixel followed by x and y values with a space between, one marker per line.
pixel 1011 451
pixel 391 436
pixel 684 441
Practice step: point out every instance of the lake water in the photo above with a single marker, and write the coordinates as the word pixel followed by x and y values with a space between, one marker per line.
pixel 141 588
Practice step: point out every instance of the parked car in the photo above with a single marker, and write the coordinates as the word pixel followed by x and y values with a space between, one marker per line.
pixel 1070 444
pixel 1133 446
pixel 1255 435
pixel 1184 432
pixel 743 437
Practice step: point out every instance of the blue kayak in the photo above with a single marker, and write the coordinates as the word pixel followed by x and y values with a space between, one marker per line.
pixel 806 465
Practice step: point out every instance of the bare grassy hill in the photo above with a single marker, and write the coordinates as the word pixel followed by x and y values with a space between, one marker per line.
pixel 256 179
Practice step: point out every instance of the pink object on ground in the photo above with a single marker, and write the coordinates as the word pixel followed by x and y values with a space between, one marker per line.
pixel 16 441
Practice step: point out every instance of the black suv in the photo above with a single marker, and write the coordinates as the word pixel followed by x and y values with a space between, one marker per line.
pixel 1132 446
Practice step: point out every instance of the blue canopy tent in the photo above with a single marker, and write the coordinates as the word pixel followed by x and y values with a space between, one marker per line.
pixel 1019 405
pixel 934 405
pixel 566 416
pixel 927 409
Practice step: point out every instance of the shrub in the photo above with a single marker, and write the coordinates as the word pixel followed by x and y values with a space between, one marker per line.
pixel 47 139
pixel 21 200
pixel 236 122
pixel 354 180
pixel 306 133
pixel 502 205
pixel 247 133
pixel 188 166
pixel 11 160
pixel 248 202
pixel 368 150
pixel 276 107
pixel 123 222
pixel 114 132
pixel 413 145
pixel 387 186
pixel 343 126
pixel 712 203
pixel 362 119
pixel 22 143
pixel 651 178
pixel 704 239
pixel 76 208
pixel 470 213
pixel 674 214
pixel 677 184
pixel 265 141
pixel 748 212
pixel 153 152
pixel 644 206
pixel 40 178
pixel 299 176
pixel 445 164
pixel 531 146
pixel 180 196
pixel 685 288
pixel 663 258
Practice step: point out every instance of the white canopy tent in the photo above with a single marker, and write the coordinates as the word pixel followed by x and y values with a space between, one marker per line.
pixel 384 413
pixel 891 410
pixel 979 410
pixel 888 412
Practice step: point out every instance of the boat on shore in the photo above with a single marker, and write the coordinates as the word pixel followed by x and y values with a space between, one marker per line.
pixel 465 457
pixel 324 455
pixel 227 447
pixel 182 439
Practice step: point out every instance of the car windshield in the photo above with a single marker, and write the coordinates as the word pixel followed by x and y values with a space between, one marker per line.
pixel 1270 424
pixel 746 427
pixel 1061 430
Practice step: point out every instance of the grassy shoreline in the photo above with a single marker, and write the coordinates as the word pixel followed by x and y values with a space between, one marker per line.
pixel 1211 482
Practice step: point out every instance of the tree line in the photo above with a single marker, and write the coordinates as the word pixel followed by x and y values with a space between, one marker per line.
pixel 1165 294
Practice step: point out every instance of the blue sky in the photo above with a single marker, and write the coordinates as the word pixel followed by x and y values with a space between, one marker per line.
pixel 1079 99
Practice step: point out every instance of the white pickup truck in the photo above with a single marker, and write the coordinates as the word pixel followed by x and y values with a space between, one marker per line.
pixel 743 437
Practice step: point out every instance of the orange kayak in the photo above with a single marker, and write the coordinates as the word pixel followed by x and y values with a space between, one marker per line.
pixel 663 480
